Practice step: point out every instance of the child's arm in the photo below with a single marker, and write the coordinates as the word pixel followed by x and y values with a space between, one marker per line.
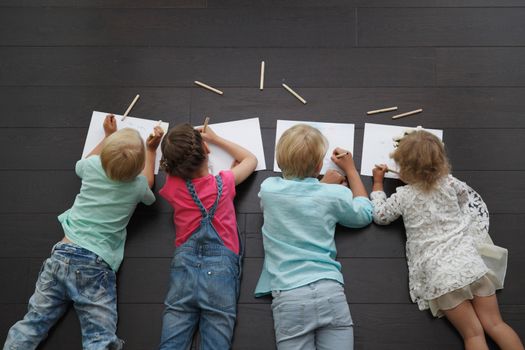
pixel 378 174
pixel 386 210
pixel 346 163
pixel 246 161
pixel 110 126
pixel 152 143
pixel 334 177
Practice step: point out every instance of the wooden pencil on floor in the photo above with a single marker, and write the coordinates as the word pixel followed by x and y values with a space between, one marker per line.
pixel 382 110
pixel 201 84
pixel 261 83
pixel 294 93
pixel 130 107
pixel 407 113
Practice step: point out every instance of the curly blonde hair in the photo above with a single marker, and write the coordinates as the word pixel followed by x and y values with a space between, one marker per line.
pixel 123 155
pixel 422 159
pixel 183 151
pixel 300 151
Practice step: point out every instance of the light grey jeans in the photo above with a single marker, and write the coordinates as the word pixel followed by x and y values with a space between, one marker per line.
pixel 314 316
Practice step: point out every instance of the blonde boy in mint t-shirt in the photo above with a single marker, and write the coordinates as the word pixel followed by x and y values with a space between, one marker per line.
pixel 82 266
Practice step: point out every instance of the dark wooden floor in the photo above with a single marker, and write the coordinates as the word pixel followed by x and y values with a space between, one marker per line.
pixel 460 60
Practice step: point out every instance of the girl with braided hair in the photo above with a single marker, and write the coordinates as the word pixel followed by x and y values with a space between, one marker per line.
pixel 205 271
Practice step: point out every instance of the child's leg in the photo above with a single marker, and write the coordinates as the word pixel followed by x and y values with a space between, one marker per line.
pixel 180 318
pixel 466 321
pixel 178 328
pixel 490 317
pixel 95 301
pixel 336 331
pixel 46 306
pixel 216 329
pixel 218 304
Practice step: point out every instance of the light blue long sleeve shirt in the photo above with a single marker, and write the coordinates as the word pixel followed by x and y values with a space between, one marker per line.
pixel 300 216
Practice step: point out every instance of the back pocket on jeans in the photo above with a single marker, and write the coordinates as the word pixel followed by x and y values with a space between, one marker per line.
pixel 47 275
pixel 289 318
pixel 221 284
pixel 340 311
pixel 93 283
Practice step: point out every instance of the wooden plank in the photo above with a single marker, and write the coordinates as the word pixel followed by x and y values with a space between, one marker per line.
pixel 378 281
pixel 398 333
pixel 462 146
pixel 151 235
pixel 325 27
pixel 146 280
pixel 447 107
pixel 255 3
pixel 165 66
pixel 37 106
pixel 56 191
pixel 366 3
pixel 480 66
pixel 377 327
pixel 106 3
pixel 391 27
pixel 254 328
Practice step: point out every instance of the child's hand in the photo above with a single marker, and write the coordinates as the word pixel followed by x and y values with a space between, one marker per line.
pixel 345 160
pixel 333 177
pixel 110 124
pixel 154 138
pixel 378 172
pixel 209 135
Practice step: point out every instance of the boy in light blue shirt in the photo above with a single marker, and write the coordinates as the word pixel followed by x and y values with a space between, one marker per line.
pixel 82 266
pixel 309 306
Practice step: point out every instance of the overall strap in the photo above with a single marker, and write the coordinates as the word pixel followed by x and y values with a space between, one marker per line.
pixel 196 199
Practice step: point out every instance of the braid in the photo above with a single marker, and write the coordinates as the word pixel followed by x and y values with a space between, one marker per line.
pixel 183 152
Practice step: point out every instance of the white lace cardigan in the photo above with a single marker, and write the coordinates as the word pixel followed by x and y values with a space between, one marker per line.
pixel 443 229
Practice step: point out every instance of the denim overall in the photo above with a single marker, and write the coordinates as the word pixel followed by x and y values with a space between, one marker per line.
pixel 204 287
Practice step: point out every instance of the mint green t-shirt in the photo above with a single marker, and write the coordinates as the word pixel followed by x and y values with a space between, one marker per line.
pixel 98 218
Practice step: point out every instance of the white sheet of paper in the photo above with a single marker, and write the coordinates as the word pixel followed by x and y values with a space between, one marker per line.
pixel 378 143
pixel 143 126
pixel 246 133
pixel 337 134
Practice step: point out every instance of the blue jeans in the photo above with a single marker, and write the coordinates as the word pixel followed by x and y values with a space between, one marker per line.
pixel 315 316
pixel 73 274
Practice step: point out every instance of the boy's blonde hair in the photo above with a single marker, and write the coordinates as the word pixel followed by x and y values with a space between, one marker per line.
pixel 300 151
pixel 183 151
pixel 123 155
pixel 422 159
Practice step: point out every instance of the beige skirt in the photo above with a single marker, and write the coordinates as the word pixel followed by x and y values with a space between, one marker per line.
pixel 483 287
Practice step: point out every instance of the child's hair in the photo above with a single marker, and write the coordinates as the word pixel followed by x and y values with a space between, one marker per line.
pixel 182 151
pixel 123 155
pixel 422 159
pixel 300 150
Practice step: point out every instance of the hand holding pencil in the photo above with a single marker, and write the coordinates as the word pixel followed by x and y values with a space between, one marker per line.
pixel 208 134
pixel 343 159
pixel 154 138
pixel 110 125
pixel 379 171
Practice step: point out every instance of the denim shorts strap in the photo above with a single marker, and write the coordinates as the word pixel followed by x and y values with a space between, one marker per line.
pixel 213 208
pixel 205 214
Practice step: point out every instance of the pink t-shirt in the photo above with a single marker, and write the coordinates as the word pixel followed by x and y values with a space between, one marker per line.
pixel 187 216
